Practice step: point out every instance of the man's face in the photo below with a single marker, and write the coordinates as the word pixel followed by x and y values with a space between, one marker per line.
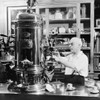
pixel 74 46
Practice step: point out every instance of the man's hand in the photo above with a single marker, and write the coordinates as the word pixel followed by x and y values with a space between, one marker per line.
pixel 56 56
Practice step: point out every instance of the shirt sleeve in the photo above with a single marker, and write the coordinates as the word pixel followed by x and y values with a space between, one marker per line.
pixel 82 66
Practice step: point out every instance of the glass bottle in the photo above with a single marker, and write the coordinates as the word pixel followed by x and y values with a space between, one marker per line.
pixel 83 11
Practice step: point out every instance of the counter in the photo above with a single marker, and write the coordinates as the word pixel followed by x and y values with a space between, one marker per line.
pixel 80 93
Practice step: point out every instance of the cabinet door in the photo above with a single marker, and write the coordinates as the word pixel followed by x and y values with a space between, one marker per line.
pixel 97 39
pixel 86 30
pixel 97 50
pixel 85 25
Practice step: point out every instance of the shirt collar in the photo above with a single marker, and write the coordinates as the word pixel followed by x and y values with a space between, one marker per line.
pixel 79 54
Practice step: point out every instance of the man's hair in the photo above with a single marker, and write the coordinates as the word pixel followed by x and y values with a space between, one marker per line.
pixel 76 40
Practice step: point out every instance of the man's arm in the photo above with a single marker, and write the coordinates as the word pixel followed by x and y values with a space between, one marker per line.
pixel 65 62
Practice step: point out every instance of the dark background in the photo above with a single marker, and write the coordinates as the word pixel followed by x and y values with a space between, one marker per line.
pixel 97 9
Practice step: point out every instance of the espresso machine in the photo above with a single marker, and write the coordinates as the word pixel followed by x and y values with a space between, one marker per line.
pixel 28 52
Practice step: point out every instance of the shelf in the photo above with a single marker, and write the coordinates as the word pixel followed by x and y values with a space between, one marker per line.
pixel 13 21
pixel 97 70
pixel 85 19
pixel 98 35
pixel 66 34
pixel 78 26
pixel 96 53
pixel 88 33
pixel 97 28
pixel 67 48
pixel 63 34
pixel 62 21
pixel 61 46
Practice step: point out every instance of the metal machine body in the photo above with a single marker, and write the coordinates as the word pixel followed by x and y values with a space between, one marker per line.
pixel 30 61
pixel 28 66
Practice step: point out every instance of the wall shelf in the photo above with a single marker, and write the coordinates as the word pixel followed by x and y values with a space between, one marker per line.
pixel 72 24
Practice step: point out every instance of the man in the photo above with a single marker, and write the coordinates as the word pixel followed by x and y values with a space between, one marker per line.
pixel 76 63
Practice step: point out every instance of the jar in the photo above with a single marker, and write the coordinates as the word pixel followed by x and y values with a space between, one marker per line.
pixel 62 30
pixel 58 14
pixel 83 11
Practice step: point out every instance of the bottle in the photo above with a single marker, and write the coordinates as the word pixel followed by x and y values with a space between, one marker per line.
pixel 83 11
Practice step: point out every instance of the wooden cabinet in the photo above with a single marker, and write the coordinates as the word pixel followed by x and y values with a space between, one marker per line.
pixel 96 60
pixel 64 19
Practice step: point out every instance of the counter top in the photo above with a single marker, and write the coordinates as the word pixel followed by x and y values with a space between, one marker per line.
pixel 80 91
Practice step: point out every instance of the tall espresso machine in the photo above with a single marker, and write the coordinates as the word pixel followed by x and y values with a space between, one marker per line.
pixel 28 52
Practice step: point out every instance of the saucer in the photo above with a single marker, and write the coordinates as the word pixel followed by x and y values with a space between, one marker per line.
pixel 70 89
pixel 94 91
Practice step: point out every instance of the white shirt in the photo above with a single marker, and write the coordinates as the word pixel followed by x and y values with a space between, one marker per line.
pixel 81 64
